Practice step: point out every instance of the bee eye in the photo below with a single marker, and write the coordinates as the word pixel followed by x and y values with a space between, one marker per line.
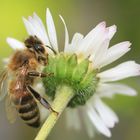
pixel 39 48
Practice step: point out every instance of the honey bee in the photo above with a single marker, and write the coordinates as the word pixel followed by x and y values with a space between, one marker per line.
pixel 22 68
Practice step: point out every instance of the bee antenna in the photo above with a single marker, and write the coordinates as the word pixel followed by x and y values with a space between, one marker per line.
pixel 51 49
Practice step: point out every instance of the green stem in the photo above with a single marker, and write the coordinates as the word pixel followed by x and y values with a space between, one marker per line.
pixel 63 95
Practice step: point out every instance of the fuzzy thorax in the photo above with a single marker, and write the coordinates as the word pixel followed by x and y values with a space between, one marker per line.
pixel 74 72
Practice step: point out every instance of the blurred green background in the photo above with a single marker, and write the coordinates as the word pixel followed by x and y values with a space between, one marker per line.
pixel 80 16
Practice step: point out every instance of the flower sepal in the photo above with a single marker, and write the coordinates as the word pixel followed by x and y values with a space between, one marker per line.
pixel 78 75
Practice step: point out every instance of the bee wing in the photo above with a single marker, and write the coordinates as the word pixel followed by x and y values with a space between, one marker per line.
pixel 3 84
pixel 11 111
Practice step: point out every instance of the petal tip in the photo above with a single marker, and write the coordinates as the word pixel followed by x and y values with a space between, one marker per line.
pixel 48 11
pixel 103 23
pixel 24 19
pixel 134 94
pixel 109 135
pixel 127 43
pixel 114 27
pixel 34 14
pixel 9 39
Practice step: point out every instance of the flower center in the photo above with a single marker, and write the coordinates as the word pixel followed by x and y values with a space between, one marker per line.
pixel 73 71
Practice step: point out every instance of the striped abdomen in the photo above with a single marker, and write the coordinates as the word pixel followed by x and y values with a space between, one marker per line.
pixel 27 108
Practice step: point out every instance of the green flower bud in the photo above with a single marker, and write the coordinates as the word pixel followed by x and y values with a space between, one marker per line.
pixel 69 71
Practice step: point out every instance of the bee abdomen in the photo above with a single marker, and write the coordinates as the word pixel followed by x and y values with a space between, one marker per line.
pixel 29 111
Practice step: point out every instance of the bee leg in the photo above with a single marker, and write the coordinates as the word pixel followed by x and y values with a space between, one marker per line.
pixel 41 99
pixel 38 74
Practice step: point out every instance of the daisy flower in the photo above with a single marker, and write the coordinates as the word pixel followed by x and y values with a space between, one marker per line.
pixel 79 68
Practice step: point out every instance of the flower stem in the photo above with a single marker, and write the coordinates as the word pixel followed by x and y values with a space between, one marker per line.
pixel 63 95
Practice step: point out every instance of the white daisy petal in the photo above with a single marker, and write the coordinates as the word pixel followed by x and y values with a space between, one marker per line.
pixel 112 30
pixel 100 56
pixel 51 30
pixel 107 115
pixel 115 52
pixel 40 88
pixel 93 40
pixel 34 28
pixel 88 124
pixel 77 124
pixel 89 128
pixel 43 113
pixel 124 70
pixel 74 119
pixel 15 44
pixel 94 51
pixel 37 28
pixel 109 90
pixel 69 119
pixel 5 61
pixel 40 33
pixel 43 30
pixel 97 121
pixel 76 40
pixel 28 27
pixel 66 35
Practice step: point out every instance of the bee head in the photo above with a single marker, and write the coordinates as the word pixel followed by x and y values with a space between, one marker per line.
pixel 35 44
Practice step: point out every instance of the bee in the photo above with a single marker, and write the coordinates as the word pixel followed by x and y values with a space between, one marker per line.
pixel 22 68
